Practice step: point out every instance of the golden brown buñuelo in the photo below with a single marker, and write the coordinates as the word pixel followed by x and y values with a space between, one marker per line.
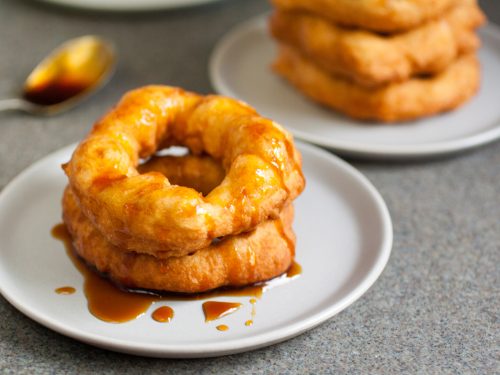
pixel 375 15
pixel 371 59
pixel 144 212
pixel 414 98
pixel 239 260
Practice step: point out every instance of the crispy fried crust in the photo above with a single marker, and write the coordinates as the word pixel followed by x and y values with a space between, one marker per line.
pixel 239 260
pixel 146 212
pixel 375 15
pixel 411 99
pixel 371 59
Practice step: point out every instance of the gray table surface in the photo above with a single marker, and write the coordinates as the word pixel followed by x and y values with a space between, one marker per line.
pixel 434 308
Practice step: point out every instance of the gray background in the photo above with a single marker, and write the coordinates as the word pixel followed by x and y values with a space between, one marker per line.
pixel 434 308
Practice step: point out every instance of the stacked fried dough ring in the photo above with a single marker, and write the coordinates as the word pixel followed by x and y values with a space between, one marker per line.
pixel 146 230
pixel 404 101
pixel 376 15
pixel 237 260
pixel 372 59
pixel 395 60
pixel 144 211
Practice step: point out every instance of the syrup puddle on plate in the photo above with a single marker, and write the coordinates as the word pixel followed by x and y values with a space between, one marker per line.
pixel 65 290
pixel 107 302
pixel 215 310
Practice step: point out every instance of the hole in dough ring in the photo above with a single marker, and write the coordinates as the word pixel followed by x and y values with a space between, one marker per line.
pixel 201 173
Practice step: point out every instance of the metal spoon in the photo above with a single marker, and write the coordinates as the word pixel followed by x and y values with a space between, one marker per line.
pixel 73 71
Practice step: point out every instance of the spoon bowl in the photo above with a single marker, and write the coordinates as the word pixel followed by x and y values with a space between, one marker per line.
pixel 72 72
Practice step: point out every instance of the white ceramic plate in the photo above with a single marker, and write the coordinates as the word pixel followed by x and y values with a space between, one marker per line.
pixel 128 5
pixel 344 240
pixel 240 67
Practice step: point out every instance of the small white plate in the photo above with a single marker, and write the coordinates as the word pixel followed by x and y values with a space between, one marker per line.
pixel 240 67
pixel 128 5
pixel 344 240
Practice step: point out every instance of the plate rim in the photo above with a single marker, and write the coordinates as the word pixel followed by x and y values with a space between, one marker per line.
pixel 129 6
pixel 350 148
pixel 224 347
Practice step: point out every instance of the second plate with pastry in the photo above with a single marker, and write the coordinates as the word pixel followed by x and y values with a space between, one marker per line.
pixel 241 66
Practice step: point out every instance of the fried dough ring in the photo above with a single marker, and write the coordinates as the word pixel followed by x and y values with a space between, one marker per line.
pixel 375 15
pixel 411 99
pixel 371 59
pixel 147 213
pixel 244 259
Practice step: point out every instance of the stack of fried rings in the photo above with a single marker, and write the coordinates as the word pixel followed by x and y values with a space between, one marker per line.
pixel 146 231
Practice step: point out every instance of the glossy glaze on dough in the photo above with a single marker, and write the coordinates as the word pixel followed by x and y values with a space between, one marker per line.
pixel 240 260
pixel 144 212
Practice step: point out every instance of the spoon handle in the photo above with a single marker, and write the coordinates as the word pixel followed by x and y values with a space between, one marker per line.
pixel 16 104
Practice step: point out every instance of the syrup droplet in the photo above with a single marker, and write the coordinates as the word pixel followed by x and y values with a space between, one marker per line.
pixel 215 310
pixel 163 314
pixel 249 322
pixel 222 327
pixel 65 290
pixel 294 270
